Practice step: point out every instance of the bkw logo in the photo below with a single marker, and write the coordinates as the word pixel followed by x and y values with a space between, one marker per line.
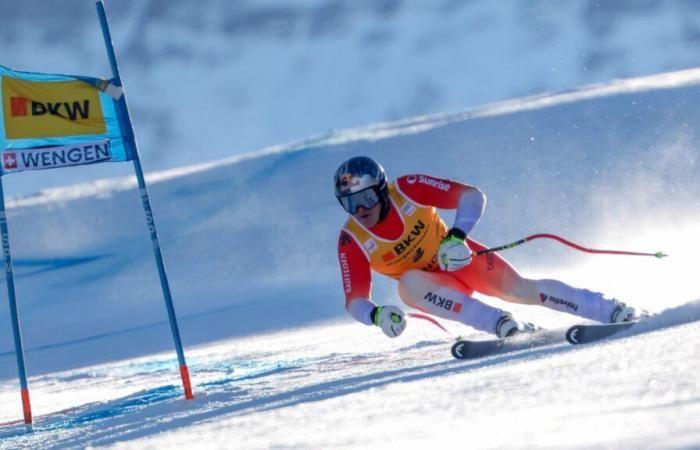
pixel 21 107
pixel 443 302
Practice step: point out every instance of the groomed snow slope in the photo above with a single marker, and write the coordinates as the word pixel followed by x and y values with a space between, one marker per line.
pixel 250 248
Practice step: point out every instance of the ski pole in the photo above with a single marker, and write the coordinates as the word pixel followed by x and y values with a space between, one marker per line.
pixel 431 320
pixel 565 242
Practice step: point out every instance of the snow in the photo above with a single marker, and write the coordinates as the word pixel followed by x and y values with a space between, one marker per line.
pixel 357 390
pixel 250 247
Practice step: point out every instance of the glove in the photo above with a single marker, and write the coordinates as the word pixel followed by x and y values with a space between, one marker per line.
pixel 454 253
pixel 390 319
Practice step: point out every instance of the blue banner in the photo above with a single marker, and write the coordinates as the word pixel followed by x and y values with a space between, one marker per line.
pixel 50 120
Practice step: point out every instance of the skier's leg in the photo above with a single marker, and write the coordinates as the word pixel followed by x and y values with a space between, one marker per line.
pixel 441 295
pixel 492 275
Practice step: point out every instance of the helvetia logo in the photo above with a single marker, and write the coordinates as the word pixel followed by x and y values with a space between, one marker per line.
pixel 558 301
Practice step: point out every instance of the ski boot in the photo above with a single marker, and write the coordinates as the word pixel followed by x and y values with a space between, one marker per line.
pixel 507 327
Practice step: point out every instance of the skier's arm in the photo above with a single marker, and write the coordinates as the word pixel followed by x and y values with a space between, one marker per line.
pixel 469 209
pixel 453 253
pixel 357 279
pixel 442 193
pixel 357 284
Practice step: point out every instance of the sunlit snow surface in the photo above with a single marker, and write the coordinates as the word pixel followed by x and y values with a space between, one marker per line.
pixel 358 390
pixel 276 362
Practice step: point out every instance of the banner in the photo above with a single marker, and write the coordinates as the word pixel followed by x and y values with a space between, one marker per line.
pixel 49 121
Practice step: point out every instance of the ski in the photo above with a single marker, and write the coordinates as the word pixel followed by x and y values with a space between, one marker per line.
pixel 583 334
pixel 472 349
pixel 466 349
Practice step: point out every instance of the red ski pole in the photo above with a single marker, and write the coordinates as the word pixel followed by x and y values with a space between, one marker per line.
pixel 565 242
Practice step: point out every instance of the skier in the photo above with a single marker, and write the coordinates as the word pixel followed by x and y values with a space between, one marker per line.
pixel 395 230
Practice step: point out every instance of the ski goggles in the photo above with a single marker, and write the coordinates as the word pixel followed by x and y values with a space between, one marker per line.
pixel 367 198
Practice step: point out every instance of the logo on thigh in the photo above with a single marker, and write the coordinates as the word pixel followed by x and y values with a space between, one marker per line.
pixel 443 302
pixel 558 301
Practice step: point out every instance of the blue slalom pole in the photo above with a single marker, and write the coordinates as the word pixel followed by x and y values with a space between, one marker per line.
pixel 14 313
pixel 128 130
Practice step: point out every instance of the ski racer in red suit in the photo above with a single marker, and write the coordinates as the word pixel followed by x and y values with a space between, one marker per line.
pixel 395 230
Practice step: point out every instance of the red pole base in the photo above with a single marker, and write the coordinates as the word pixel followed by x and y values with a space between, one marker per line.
pixel 26 405
pixel 185 374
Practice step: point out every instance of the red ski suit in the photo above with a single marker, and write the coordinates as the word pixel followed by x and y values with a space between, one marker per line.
pixel 488 274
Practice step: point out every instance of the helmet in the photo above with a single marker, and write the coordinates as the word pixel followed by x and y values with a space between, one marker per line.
pixel 361 181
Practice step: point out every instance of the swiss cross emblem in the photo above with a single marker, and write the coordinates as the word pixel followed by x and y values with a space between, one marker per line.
pixel 9 160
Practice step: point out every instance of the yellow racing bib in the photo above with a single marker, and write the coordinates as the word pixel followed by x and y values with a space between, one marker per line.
pixel 416 248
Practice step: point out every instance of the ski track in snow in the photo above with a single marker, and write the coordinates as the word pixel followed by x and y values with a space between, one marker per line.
pixel 279 372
